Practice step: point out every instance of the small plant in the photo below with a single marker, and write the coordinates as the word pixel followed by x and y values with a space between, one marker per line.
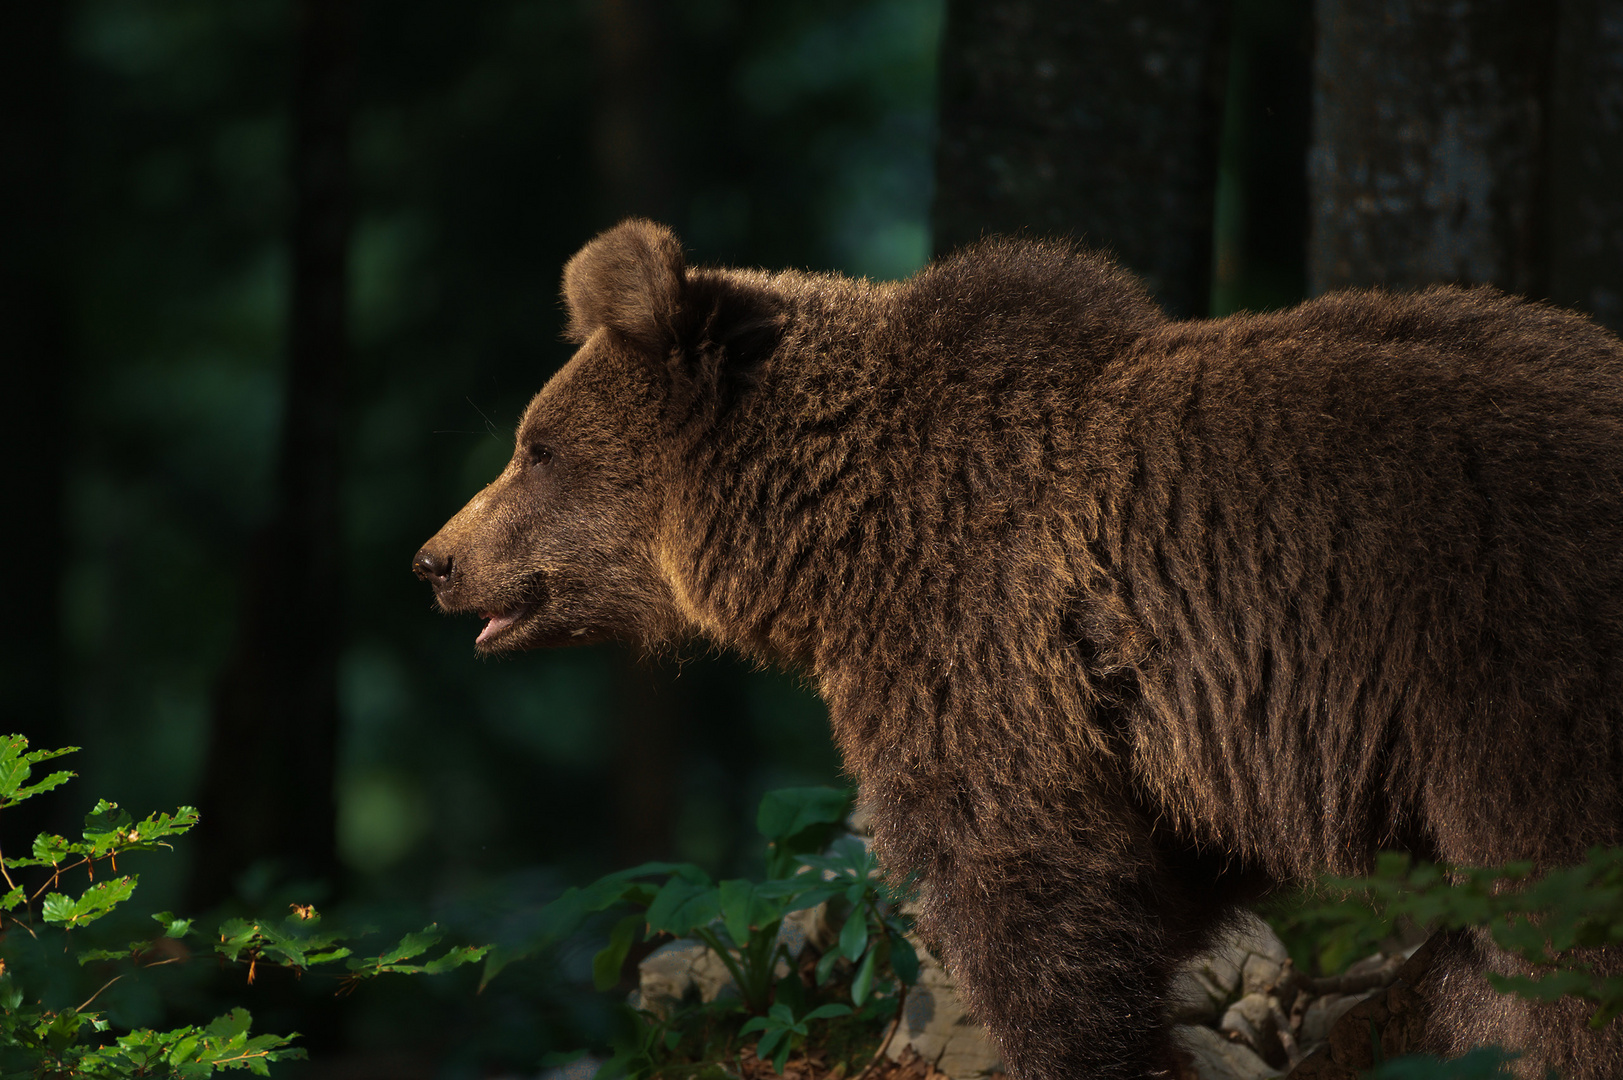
pixel 43 928
pixel 1547 919
pixel 1483 1063
pixel 860 978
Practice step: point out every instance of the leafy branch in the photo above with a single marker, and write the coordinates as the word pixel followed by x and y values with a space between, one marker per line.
pixel 63 1042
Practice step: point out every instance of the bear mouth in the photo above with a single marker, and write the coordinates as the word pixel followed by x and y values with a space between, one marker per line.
pixel 497 622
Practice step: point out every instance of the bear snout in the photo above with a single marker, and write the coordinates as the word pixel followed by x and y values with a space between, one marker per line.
pixel 431 567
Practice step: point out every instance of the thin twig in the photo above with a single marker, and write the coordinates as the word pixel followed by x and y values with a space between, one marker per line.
pixel 97 994
pixel 890 1033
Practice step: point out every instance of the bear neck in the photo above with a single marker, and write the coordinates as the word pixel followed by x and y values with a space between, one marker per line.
pixel 892 488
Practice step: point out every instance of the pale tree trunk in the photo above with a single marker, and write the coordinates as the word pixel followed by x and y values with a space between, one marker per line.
pixel 1476 142
pixel 268 787
pixel 1099 121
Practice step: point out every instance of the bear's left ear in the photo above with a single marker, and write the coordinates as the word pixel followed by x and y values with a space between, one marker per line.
pixel 629 279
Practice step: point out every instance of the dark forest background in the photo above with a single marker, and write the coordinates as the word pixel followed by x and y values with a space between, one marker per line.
pixel 278 276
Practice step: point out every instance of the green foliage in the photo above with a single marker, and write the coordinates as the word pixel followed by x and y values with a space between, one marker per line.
pixel 860 978
pixel 1547 919
pixel 780 1024
pixel 1483 1063
pixel 44 1037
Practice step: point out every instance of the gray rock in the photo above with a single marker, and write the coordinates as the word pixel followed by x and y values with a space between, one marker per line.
pixel 1216 1058
pixel 672 971
pixel 1260 974
pixel 1193 998
pixel 1254 1019
pixel 934 1025
pixel 582 1068
pixel 1224 966
pixel 1322 1015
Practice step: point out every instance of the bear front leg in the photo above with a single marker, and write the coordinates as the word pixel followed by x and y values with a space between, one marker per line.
pixel 1068 968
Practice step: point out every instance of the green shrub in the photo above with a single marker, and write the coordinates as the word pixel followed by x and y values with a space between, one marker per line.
pixel 853 989
pixel 47 929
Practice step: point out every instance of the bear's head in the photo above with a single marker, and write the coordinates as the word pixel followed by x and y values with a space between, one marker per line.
pixel 565 546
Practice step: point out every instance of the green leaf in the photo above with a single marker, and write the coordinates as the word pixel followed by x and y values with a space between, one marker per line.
pixel 233 1023
pixel 798 822
pixel 173 927
pixel 453 958
pixel 903 959
pixel 854 935
pixel 781 1058
pixel 185 1047
pixel 737 900
pixel 682 905
pixel 50 849
pixel 496 961
pixel 63 1030
pixel 56 779
pixel 824 1012
pixel 91 905
pixel 607 963
pixel 13 898
pixel 771 1039
pixel 788 811
pixel 1551 987
pixel 1482 1063
pixel 1606 1013
pixel 16 765
pixel 11 995
pixel 105 825
pixel 748 904
pixel 825 965
pixel 647 868
pixel 862 984
pixel 413 945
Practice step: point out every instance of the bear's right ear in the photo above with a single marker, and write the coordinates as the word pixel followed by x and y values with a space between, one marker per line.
pixel 629 279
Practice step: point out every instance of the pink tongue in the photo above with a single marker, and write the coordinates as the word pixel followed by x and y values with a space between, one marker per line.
pixel 497 624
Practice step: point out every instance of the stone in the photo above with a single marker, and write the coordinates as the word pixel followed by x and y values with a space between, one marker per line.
pixel 1260 974
pixel 1254 1019
pixel 677 968
pixel 1216 1058
pixel 1192 998
pixel 934 1026
pixel 1322 1014
pixel 1250 937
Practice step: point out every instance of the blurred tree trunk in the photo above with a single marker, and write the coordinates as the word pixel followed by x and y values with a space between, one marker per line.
pixel 1100 121
pixel 1476 147
pixel 629 137
pixel 1585 161
pixel 1428 143
pixel 1260 232
pixel 268 787
pixel 36 437
pixel 632 162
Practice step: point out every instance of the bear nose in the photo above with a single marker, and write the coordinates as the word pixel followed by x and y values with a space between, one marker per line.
pixel 431 567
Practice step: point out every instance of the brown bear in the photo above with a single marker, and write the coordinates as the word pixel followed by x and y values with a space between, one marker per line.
pixel 1120 620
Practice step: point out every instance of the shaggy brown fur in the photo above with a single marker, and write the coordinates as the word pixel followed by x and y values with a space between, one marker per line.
pixel 1119 620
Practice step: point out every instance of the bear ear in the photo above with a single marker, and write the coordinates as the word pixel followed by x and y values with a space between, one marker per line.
pixel 629 279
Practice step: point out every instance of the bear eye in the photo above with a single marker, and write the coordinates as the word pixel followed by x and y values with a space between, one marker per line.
pixel 540 454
